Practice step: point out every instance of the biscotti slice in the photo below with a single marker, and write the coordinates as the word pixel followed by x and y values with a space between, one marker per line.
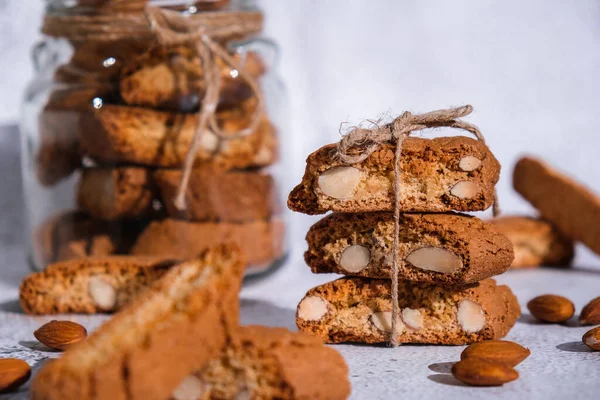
pixel 173 78
pixel 536 242
pixel 170 330
pixel 567 204
pixel 261 241
pixel 360 310
pixel 437 175
pixel 447 249
pixel 234 196
pixel 89 285
pixel 270 363
pixel 120 134
pixel 74 234
pixel 116 193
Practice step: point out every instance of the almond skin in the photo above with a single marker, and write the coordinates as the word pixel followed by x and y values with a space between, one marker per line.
pixel 13 374
pixel 479 372
pixel 592 339
pixel 60 335
pixel 551 308
pixel 590 315
pixel 502 351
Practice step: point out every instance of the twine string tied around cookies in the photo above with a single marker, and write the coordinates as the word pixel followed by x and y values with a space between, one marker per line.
pixel 368 140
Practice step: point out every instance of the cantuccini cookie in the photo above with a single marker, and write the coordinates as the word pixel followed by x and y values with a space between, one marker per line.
pixel 89 285
pixel 446 249
pixel 536 242
pixel 360 310
pixel 120 134
pixel 171 330
pixel 568 205
pixel 437 175
pixel 73 234
pixel 261 241
pixel 270 363
pixel 173 78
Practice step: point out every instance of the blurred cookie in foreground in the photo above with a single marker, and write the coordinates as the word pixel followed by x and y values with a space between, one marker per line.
pixel 536 242
pixel 569 205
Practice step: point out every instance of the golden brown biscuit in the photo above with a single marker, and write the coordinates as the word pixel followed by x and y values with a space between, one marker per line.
pixel 438 175
pixel 446 249
pixel 536 242
pixel 359 310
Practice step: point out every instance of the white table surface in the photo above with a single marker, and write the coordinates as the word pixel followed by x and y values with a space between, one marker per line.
pixel 560 366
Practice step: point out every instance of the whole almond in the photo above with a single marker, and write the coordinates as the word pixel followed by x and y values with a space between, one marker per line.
pixel 590 314
pixel 592 338
pixel 479 372
pixel 60 335
pixel 13 374
pixel 503 351
pixel 551 308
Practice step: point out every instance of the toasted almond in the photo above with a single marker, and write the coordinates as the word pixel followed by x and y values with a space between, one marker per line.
pixel 13 374
pixel 479 372
pixel 60 335
pixel 509 353
pixel 590 314
pixel 551 308
pixel 592 339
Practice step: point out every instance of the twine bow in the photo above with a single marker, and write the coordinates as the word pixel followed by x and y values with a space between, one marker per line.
pixel 173 28
pixel 368 140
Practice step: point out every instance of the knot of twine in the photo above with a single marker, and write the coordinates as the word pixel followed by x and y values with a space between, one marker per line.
pixel 368 140
pixel 172 28
pixel 205 31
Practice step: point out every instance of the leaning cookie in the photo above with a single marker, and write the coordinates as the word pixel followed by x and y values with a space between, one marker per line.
pixel 270 363
pixel 536 242
pixel 89 285
pixel 119 134
pixel 359 310
pixel 567 204
pixel 447 249
pixel 441 174
pixel 172 329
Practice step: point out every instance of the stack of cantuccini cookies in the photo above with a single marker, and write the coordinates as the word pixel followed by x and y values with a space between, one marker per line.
pixel 123 116
pixel 445 259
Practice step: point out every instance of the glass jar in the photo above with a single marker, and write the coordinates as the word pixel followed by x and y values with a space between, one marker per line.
pixel 107 125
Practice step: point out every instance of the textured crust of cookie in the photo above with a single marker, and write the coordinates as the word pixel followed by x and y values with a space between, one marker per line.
pixel 173 78
pixel 260 241
pixel 73 234
pixel 570 206
pixel 115 193
pixel 352 301
pixel 158 339
pixel 430 170
pixel 162 139
pixel 482 249
pixel 536 242
pixel 63 287
pixel 274 363
pixel 235 196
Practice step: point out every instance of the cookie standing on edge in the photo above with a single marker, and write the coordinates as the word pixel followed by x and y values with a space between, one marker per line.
pixel 442 174
pixel 270 363
pixel 536 242
pixel 447 249
pixel 360 310
pixel 567 204
pixel 89 285
pixel 147 349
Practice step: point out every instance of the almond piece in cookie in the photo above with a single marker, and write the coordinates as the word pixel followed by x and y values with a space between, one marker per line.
pixel 437 175
pixel 447 249
pixel 536 242
pixel 359 310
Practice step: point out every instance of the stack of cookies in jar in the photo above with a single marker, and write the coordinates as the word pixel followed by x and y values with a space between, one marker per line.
pixel 119 124
pixel 445 258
